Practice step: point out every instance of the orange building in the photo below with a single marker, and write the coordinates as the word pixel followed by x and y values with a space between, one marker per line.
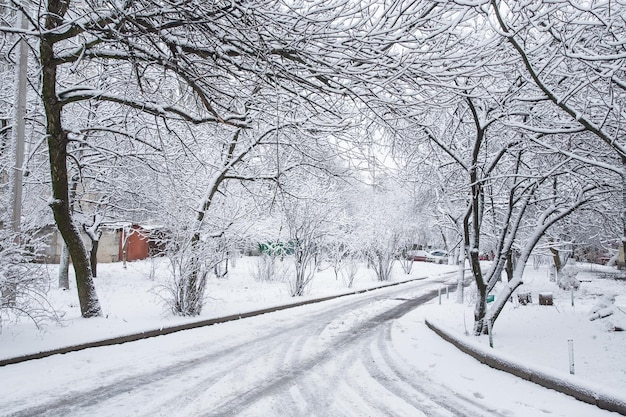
pixel 134 243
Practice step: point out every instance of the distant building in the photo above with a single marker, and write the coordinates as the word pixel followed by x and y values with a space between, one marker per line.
pixel 136 241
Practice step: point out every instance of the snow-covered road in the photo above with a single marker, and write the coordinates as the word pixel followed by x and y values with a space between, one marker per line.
pixel 329 359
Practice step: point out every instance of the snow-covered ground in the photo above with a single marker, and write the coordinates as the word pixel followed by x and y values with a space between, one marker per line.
pixel 533 334
pixel 133 299
pixel 541 335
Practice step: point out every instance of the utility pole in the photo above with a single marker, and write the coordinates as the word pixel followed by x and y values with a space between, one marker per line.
pixel 20 127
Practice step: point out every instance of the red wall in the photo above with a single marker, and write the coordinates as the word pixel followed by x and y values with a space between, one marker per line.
pixel 137 247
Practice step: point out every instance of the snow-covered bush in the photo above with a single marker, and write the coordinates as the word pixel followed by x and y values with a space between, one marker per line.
pixel 381 259
pixel 349 268
pixel 23 283
pixel 605 309
pixel 191 266
pixel 269 268
pixel 385 228
pixel 185 291
pixel 407 264
pixel 567 276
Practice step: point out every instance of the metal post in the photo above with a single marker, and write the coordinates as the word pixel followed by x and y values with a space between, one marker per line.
pixel 570 343
pixel 572 294
pixel 439 294
pixel 20 124
pixel 447 293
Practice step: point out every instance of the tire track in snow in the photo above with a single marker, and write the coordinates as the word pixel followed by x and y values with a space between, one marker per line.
pixel 412 388
pixel 281 383
pixel 79 401
pixel 295 349
pixel 456 403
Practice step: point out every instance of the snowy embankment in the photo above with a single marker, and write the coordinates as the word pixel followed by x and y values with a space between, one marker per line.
pixel 563 346
pixel 590 393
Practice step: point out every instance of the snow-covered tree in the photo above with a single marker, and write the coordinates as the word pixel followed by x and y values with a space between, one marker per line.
pixel 573 55
pixel 485 107
pixel 191 64
pixel 386 225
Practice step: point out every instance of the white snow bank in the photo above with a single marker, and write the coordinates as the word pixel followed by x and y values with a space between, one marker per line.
pixel 534 340
pixel 589 392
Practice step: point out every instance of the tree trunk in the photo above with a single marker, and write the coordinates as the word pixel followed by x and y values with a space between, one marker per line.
pixel 503 296
pixel 94 233
pixel 89 304
pixel 509 265
pixel 556 257
pixel 125 246
pixel 221 268
pixel 64 268
pixel 460 283
pixel 93 257
pixel 481 303
pixel 57 148
pixel 624 204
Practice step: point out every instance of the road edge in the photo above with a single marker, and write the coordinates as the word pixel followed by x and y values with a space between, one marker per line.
pixel 132 337
pixel 580 391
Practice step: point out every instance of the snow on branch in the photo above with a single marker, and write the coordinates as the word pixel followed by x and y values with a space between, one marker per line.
pixel 80 94
pixel 94 231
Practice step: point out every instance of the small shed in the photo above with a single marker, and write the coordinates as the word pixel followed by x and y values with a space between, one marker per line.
pixel 134 243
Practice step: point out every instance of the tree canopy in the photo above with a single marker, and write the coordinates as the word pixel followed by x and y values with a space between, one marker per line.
pixel 503 117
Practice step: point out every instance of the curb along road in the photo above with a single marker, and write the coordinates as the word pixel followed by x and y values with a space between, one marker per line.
pixel 577 390
pixel 193 325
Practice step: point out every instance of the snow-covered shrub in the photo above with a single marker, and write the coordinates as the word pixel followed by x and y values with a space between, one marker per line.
pixel 185 291
pixel 382 259
pixel 567 276
pixel 268 268
pixel 613 317
pixel 23 282
pixel 603 308
pixel 349 268
pixel 191 265
pixel 406 262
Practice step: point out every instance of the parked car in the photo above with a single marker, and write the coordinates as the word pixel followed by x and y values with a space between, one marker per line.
pixel 417 255
pixel 438 257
